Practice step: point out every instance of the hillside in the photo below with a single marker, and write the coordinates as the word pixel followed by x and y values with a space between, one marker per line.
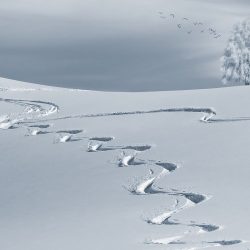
pixel 100 170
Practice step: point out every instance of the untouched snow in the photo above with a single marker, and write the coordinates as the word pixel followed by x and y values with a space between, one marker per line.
pixel 162 170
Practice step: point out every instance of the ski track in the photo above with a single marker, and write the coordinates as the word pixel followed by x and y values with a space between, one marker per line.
pixel 209 113
pixel 35 132
pixel 63 135
pixel 163 219
pixel 176 240
pixel 96 144
pixel 138 148
pixel 72 132
pixel 94 147
pixel 36 111
pixel 32 110
pixel 41 126
pixel 67 136
pixel 102 139
pixel 44 108
pixel 31 105
pixel 126 160
pixel 147 186
pixel 208 117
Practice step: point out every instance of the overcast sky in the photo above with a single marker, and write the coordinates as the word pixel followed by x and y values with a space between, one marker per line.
pixel 118 45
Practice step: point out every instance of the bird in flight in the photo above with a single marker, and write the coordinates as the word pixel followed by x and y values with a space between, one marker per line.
pixel 212 30
pixel 217 36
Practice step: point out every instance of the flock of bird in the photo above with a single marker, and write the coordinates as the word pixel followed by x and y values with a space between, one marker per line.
pixel 200 26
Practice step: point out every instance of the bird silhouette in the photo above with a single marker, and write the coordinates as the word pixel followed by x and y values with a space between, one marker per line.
pixel 212 31
pixel 218 36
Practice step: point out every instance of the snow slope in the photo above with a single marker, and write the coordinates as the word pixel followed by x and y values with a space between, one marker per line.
pixel 98 170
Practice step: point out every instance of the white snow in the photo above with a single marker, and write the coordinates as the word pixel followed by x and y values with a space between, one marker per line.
pixel 126 160
pixel 162 217
pixel 141 188
pixel 65 138
pixel 166 241
pixel 35 132
pixel 60 197
pixel 94 147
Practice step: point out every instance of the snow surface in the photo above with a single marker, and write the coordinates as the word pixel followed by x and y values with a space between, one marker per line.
pixel 186 149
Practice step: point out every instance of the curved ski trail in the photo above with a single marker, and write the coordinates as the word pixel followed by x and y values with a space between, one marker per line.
pixel 32 110
pixel 146 187
pixel 129 160
pixel 35 111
